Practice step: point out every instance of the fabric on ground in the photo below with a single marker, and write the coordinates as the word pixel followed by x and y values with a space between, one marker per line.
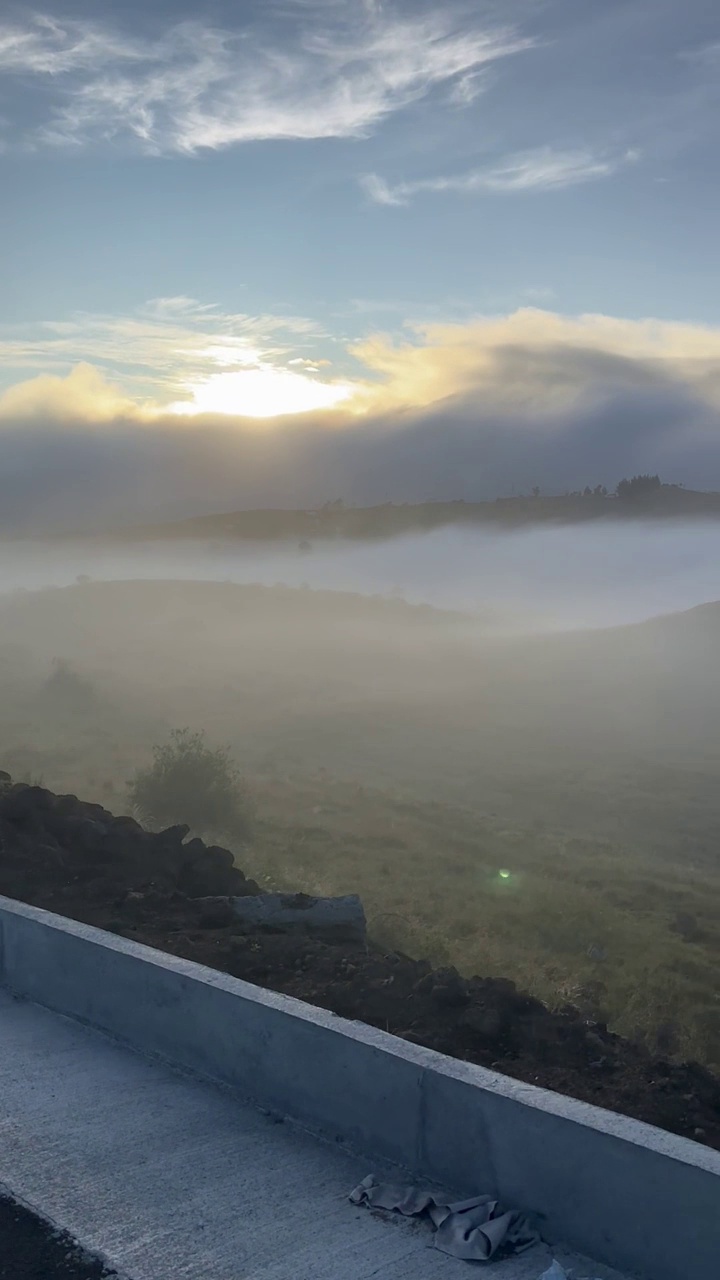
pixel 470 1229
pixel 555 1272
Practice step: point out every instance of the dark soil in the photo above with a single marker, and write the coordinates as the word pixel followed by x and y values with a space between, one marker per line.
pixel 80 861
pixel 32 1250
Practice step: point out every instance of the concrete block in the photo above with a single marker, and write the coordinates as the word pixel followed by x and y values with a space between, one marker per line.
pixel 342 918
pixel 285 1055
pixel 612 1183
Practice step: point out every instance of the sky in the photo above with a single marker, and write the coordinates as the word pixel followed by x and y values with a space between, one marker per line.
pixel 270 252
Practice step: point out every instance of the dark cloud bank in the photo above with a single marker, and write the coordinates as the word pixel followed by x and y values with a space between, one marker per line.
pixel 72 475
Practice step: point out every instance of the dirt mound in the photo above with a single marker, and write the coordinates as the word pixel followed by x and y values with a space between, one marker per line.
pixel 61 848
pixel 81 861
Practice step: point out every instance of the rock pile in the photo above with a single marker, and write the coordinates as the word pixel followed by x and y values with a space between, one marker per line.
pixel 59 846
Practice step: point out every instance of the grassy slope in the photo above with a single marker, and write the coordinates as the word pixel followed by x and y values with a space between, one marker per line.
pixel 359 788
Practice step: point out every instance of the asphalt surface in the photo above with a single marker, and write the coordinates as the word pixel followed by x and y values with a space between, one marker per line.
pixel 32 1250
pixel 168 1177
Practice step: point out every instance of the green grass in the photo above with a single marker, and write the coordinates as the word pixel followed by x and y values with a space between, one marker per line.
pixel 575 921
pixel 388 760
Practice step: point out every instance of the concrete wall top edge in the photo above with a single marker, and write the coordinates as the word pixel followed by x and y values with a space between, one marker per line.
pixel 621 1127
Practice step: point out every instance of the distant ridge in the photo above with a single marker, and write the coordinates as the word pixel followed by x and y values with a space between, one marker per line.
pixel 336 520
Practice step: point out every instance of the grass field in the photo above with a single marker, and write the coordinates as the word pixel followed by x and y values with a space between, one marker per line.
pixel 478 831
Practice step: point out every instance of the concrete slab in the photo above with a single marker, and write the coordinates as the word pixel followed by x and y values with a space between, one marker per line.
pixel 169 1177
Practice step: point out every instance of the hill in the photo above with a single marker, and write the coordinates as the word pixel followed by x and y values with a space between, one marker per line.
pixel 408 756
pixel 335 520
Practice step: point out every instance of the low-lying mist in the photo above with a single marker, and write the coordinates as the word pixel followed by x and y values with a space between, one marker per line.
pixel 559 578
pixel 409 752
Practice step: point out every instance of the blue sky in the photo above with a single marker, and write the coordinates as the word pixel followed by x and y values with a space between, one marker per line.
pixel 292 179
pixel 96 223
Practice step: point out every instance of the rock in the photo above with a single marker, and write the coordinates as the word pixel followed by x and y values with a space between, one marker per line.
pixel 449 990
pixel 245 888
pixel 21 802
pixel 98 814
pixel 487 1024
pixel 128 846
pixel 595 1043
pixel 60 842
pixel 174 835
pixel 80 834
pixel 220 857
pixel 201 878
pixel 67 805
pixel 193 850
pixel 127 824
pixel 504 987
pixel 217 913
pixel 450 997
pixel 340 919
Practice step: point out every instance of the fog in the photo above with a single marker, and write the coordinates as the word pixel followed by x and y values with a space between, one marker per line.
pixel 406 752
pixel 526 664
pixel 549 579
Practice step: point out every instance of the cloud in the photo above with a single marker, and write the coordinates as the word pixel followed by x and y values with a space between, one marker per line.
pixel 180 354
pixel 84 395
pixel 339 72
pixel 538 361
pixel 543 169
pixel 45 46
pixel 461 410
pixel 380 191
pixel 263 392
pixel 467 88
pixel 707 54
pixel 174 355
pixel 164 348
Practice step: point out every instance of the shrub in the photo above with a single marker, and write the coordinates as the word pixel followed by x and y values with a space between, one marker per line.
pixel 68 691
pixel 189 782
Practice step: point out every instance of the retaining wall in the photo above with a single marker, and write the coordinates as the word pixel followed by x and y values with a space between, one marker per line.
pixel 621 1191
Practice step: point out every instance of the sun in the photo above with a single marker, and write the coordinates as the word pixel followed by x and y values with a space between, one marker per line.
pixel 261 392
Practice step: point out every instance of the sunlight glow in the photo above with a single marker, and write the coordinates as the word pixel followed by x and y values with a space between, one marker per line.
pixel 261 392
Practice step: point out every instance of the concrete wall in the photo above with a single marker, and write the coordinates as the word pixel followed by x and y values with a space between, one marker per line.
pixel 621 1191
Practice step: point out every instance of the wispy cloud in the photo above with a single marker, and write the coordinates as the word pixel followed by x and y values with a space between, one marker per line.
pixel 45 46
pixel 164 347
pixel 339 72
pixel 706 54
pixel 543 169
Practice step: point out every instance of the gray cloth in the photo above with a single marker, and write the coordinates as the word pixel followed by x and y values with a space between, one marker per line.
pixel 470 1229
pixel 556 1272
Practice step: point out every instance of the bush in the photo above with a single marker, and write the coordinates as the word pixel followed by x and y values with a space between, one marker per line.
pixel 68 691
pixel 188 782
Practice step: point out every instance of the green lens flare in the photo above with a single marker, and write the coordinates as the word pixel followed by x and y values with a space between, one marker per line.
pixel 504 875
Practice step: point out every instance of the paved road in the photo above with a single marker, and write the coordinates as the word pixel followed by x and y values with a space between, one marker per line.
pixel 171 1178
